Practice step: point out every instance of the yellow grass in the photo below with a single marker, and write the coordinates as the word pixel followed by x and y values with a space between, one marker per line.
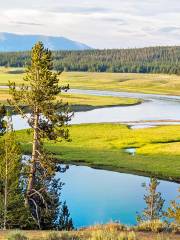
pixel 147 83
pixel 82 99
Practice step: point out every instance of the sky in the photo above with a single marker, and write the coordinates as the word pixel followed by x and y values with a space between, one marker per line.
pixel 97 23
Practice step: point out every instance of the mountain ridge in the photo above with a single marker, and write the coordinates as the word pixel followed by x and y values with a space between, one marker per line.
pixel 11 42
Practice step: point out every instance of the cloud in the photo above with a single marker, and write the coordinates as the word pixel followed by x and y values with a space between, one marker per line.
pixel 27 23
pixel 118 20
pixel 79 10
pixel 170 29
pixel 98 23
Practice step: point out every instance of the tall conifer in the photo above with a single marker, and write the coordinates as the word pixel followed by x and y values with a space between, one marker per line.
pixel 154 202
pixel 48 119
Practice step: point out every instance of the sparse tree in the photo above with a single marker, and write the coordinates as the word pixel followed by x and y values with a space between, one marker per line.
pixel 173 211
pixel 154 202
pixel 48 120
pixel 65 221
pixel 11 197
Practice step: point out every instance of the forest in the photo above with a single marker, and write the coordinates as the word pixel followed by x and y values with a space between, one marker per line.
pixel 142 60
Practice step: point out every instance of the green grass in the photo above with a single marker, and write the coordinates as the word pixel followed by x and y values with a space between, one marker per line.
pixel 102 146
pixel 133 82
pixel 87 101
pixel 7 74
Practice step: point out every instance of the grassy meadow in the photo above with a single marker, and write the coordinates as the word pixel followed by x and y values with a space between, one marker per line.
pixel 91 235
pixel 133 82
pixel 110 231
pixel 78 100
pixel 84 102
pixel 103 146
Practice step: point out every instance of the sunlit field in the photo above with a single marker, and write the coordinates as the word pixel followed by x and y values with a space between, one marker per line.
pixel 147 83
pixel 84 100
pixel 102 146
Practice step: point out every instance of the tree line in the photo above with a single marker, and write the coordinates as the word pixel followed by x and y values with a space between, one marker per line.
pixel 142 60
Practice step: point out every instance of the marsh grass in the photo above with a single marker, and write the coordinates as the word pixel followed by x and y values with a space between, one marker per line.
pixel 156 226
pixel 102 146
pixel 111 231
pixel 82 99
pixel 133 82
pixel 112 235
pixel 17 235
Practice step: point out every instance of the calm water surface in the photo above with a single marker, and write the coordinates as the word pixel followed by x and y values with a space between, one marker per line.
pixel 98 196
pixel 155 110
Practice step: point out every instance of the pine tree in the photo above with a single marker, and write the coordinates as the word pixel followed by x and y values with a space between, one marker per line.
pixel 48 120
pixel 65 221
pixel 154 202
pixel 11 197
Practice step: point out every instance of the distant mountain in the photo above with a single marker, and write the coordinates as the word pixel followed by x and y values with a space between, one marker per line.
pixel 10 42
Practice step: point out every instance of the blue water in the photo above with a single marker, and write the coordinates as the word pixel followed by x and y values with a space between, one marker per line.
pixel 99 196
pixel 155 110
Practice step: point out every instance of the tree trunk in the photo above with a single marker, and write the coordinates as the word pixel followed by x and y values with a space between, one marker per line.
pixel 35 155
pixel 5 192
pixel 152 206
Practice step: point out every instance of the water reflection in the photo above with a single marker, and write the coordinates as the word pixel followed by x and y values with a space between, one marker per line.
pixel 131 151
pixel 98 196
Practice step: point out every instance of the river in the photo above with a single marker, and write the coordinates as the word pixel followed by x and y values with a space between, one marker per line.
pixel 98 196
pixel 154 110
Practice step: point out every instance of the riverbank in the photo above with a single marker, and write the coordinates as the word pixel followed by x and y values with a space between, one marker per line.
pixel 103 146
pixel 84 102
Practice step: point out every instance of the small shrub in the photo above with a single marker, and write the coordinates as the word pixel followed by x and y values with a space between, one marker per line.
pixel 115 226
pixel 112 235
pixel 53 236
pixel 17 236
pixel 109 227
pixel 162 238
pixel 122 236
pixel 152 226
pixel 67 236
pixel 61 236
pixel 132 236
pixel 175 228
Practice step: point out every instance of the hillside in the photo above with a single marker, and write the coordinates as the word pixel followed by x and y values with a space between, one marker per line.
pixel 142 60
pixel 13 42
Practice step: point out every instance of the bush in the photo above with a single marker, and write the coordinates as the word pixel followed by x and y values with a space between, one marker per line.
pixel 152 226
pixel 53 236
pixel 62 236
pixel 17 236
pixel 112 235
pixel 175 228
pixel 109 227
pixel 67 236
pixel 131 236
